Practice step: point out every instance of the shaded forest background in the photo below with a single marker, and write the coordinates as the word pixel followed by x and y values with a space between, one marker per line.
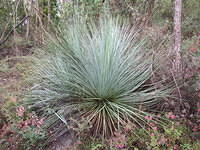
pixel 24 23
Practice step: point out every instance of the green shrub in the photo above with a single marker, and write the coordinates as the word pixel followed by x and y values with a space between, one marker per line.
pixel 98 71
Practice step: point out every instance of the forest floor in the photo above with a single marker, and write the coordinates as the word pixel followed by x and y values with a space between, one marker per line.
pixel 13 72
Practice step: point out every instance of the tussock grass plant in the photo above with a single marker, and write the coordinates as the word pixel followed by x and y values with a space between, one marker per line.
pixel 98 71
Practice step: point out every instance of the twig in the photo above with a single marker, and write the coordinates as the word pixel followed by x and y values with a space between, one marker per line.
pixel 11 31
pixel 4 31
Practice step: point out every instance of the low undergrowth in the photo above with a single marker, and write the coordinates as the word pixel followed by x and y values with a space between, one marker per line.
pixel 177 135
pixel 23 130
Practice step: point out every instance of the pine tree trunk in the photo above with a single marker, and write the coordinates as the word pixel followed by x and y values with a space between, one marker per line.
pixel 177 35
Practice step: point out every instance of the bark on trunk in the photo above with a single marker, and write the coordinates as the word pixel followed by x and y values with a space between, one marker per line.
pixel 49 14
pixel 177 35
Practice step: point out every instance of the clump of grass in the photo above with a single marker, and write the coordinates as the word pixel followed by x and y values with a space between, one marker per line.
pixel 97 70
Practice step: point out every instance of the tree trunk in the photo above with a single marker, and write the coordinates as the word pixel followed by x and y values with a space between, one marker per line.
pixel 149 12
pixel 49 14
pixel 177 35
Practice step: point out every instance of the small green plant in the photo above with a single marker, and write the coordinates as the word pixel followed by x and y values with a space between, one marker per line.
pixel 30 137
pixel 186 147
pixel 173 133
